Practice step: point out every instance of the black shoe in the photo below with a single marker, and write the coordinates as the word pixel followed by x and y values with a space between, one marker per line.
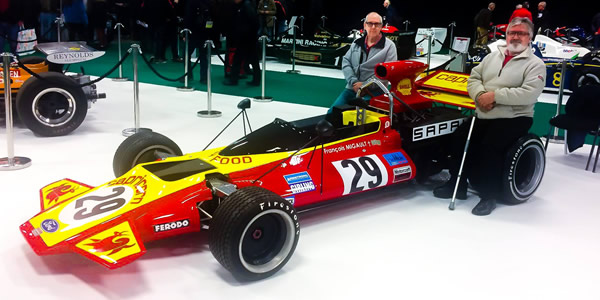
pixel 160 61
pixel 229 82
pixel 177 59
pixel 253 83
pixel 446 190
pixel 484 207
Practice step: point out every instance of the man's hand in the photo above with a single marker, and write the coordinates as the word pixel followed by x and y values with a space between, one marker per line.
pixel 356 86
pixel 486 101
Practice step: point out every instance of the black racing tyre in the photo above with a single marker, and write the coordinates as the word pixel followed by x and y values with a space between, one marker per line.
pixel 51 108
pixel 253 233
pixel 141 148
pixel 523 169
pixel 586 76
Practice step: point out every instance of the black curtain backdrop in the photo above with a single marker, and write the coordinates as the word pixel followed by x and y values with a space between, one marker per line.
pixel 344 15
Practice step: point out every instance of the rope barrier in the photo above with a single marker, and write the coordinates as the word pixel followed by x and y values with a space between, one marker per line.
pixel 166 78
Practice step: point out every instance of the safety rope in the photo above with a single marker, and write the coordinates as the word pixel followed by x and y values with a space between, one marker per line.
pixel 164 77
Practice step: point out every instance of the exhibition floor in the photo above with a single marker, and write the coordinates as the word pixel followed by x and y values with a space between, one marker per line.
pixel 396 243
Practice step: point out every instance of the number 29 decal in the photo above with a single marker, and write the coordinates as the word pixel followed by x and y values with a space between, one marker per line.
pixel 361 173
pixel 96 205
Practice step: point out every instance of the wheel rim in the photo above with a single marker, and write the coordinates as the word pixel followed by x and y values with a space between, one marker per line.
pixel 266 241
pixel 588 78
pixel 148 154
pixel 54 107
pixel 529 170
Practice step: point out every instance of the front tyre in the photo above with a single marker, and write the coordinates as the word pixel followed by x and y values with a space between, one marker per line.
pixel 141 148
pixel 254 233
pixel 523 169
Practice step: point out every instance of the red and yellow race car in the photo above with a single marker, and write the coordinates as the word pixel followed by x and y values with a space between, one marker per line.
pixel 247 194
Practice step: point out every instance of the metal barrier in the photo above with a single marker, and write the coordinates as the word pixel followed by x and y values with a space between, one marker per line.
pixel 262 97
pixel 209 113
pixel 185 87
pixel 135 49
pixel 118 27
pixel 11 162
pixel 293 70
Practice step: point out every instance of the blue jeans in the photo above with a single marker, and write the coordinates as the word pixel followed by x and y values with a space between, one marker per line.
pixel 343 98
pixel 11 31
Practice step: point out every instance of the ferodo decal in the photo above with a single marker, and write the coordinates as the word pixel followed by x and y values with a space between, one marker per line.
pixel 171 225
pixel 300 182
pixel 402 173
pixel 436 129
pixel 361 173
pixel 96 205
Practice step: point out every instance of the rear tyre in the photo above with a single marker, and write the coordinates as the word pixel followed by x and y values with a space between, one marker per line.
pixel 141 148
pixel 54 107
pixel 253 233
pixel 523 169
pixel 587 76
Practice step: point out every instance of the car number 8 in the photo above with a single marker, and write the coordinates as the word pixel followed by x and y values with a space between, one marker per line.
pixel 361 173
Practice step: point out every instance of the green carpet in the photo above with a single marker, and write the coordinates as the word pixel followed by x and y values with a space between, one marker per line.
pixel 291 88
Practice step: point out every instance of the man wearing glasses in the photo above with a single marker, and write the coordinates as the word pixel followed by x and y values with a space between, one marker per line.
pixel 359 62
pixel 505 87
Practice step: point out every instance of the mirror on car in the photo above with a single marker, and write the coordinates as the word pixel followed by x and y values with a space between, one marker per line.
pixel 324 128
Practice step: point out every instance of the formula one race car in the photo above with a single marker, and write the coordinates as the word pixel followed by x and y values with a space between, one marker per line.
pixel 49 102
pixel 326 48
pixel 583 65
pixel 248 193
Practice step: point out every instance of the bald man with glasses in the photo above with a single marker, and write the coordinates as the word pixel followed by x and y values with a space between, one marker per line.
pixel 358 65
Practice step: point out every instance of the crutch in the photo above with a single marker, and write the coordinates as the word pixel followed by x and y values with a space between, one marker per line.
pixel 462 163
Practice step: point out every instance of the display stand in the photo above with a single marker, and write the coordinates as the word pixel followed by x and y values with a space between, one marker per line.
pixel 135 48
pixel 11 162
pixel 406 25
pixel 262 97
pixel 209 113
pixel 186 63
pixel 118 27
pixel 452 25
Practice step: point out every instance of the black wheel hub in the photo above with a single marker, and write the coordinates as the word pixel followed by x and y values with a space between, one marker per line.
pixel 263 240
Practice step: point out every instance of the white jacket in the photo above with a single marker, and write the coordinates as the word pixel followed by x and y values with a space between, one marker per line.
pixel 517 85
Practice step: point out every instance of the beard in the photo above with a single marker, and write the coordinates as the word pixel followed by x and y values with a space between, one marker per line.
pixel 516 47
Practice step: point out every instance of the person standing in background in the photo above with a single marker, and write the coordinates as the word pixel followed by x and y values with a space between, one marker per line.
pixel 266 12
pixel 521 11
pixel 542 19
pixel 11 18
pixel 242 37
pixel 482 24
pixel 76 19
pixel 392 16
pixel 596 30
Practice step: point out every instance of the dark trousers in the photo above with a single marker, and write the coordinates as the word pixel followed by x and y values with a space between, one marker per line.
pixel 10 32
pixel 489 143
pixel 198 45
pixel 245 52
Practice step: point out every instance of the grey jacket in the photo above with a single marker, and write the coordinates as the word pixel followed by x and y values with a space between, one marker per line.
pixel 516 86
pixel 358 66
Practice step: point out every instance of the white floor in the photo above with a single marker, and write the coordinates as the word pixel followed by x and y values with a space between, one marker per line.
pixel 397 243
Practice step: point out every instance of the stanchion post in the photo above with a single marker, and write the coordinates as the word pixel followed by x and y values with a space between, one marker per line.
pixel 186 63
pixel 262 97
pixel 301 25
pixel 135 48
pixel 118 27
pixel 555 138
pixel 293 70
pixel 10 162
pixel 452 25
pixel 406 25
pixel 323 18
pixel 429 42
pixel 209 113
